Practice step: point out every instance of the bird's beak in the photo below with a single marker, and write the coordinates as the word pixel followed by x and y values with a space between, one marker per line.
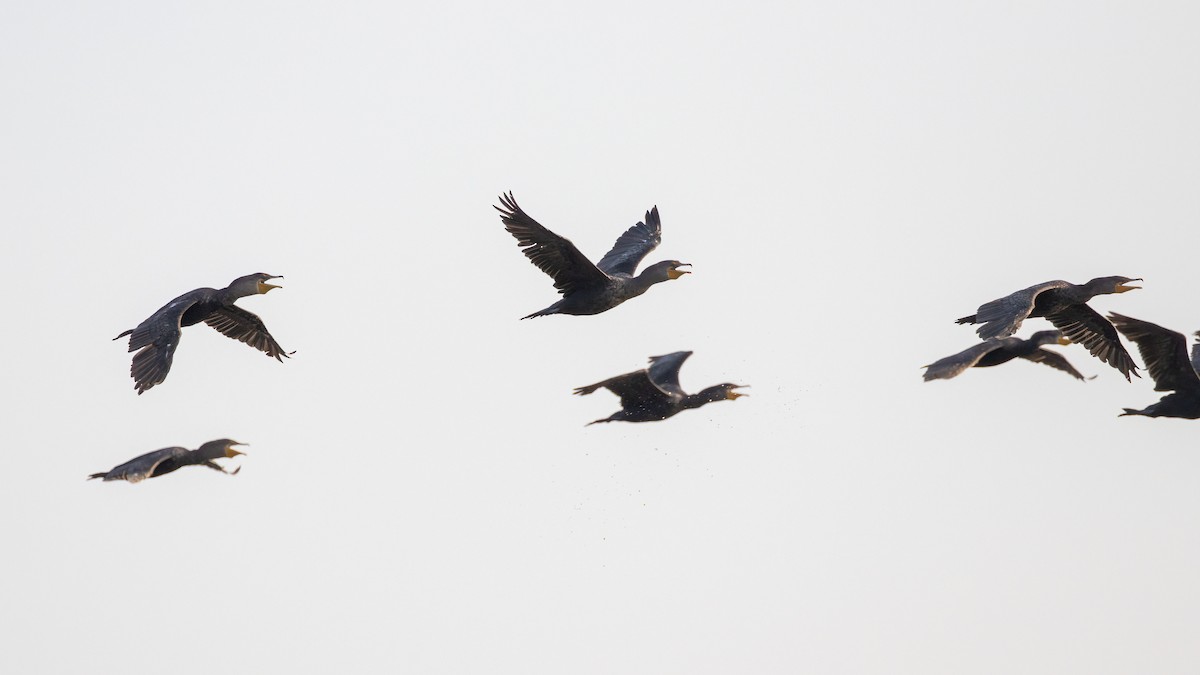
pixel 230 452
pixel 263 286
pixel 733 395
pixel 1063 340
pixel 1121 288
pixel 676 272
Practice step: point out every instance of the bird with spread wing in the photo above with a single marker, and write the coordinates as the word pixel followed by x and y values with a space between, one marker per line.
pixel 995 351
pixel 1065 305
pixel 586 287
pixel 166 460
pixel 654 393
pixel 156 338
pixel 1166 356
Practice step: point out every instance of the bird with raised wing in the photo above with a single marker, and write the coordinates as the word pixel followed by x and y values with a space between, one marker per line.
pixel 589 288
pixel 1166 355
pixel 156 338
pixel 166 460
pixel 654 393
pixel 995 351
pixel 1065 305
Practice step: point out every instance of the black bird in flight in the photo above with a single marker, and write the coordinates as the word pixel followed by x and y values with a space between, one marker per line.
pixel 166 460
pixel 654 393
pixel 1065 305
pixel 995 351
pixel 1166 356
pixel 158 336
pixel 589 288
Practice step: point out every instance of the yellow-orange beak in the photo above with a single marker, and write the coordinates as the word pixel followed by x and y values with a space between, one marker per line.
pixel 263 286
pixel 675 272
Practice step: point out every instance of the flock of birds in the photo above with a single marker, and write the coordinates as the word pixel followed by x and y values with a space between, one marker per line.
pixel 1065 306
pixel 654 393
pixel 646 395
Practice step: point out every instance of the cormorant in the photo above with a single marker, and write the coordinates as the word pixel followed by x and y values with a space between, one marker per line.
pixel 1065 305
pixel 590 288
pixel 654 393
pixel 994 351
pixel 158 336
pixel 1166 357
pixel 167 460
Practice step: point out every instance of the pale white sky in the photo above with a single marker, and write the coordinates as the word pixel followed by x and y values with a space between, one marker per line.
pixel 420 493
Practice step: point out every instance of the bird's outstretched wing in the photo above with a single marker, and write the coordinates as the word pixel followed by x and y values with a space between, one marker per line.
pixel 1163 350
pixel 140 468
pixel 1054 360
pixel 664 372
pixel 156 338
pixel 635 389
pixel 633 246
pixel 234 322
pixel 954 365
pixel 1003 316
pixel 554 255
pixel 1082 324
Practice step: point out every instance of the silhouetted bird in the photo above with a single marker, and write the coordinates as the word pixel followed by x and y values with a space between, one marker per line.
pixel 590 288
pixel 654 393
pixel 994 351
pixel 163 461
pixel 158 336
pixel 1064 305
pixel 1166 356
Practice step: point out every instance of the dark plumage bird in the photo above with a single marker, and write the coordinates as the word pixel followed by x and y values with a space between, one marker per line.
pixel 590 288
pixel 1166 357
pixel 1065 305
pixel 654 393
pixel 158 336
pixel 994 351
pixel 163 461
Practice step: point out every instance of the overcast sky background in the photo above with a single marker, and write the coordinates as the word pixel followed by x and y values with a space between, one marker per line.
pixel 421 494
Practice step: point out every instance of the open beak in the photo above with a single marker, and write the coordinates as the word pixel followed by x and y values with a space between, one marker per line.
pixel 1121 288
pixel 676 272
pixel 263 286
pixel 734 395
pixel 230 452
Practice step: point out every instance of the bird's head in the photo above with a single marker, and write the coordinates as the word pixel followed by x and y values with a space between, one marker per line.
pixel 664 270
pixel 220 448
pixel 673 271
pixel 1045 337
pixel 730 394
pixel 1113 284
pixel 253 284
pixel 724 392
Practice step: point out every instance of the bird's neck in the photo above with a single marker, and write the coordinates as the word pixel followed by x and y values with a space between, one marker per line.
pixel 231 293
pixel 192 457
pixel 1089 291
pixel 702 397
pixel 642 282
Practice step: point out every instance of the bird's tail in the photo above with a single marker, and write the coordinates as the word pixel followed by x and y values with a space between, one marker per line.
pixel 541 312
pixel 584 391
pixel 102 474
pixel 1130 411
pixel 967 319
pixel 552 309
pixel 606 419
